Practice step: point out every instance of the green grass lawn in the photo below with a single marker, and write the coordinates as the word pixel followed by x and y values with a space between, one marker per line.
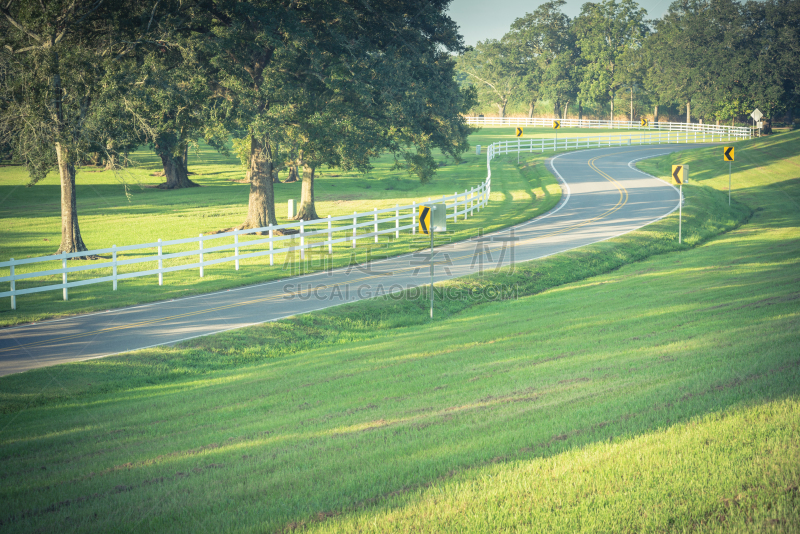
pixel 613 395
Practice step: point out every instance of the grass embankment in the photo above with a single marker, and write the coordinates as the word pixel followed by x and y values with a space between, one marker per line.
pixel 662 395
pixel 32 223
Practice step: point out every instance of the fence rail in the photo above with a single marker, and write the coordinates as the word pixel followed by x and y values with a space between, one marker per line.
pixel 718 129
pixel 320 233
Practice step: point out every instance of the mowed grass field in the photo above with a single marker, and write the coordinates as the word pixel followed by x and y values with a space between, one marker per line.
pixel 613 395
pixel 123 209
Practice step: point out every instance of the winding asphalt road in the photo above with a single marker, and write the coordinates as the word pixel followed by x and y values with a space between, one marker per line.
pixel 604 196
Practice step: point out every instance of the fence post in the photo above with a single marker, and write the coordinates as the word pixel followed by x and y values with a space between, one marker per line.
pixel 413 217
pixel 235 250
pixel 455 207
pixel 330 236
pixel 355 222
pixel 161 264
pixel 472 201
pixel 376 224
pixel 271 256
pixel 13 287
pixel 114 262
pixel 64 274
pixel 397 221
pixel 200 241
pixel 302 240
pixel 465 204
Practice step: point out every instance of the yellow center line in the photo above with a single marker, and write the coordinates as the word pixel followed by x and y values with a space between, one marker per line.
pixel 623 199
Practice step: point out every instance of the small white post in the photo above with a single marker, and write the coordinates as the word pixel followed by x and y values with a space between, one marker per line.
pixel 455 207
pixel 271 256
pixel 355 222
pixel 542 145
pixel 330 236
pixel 235 250
pixel 114 262
pixel 302 240
pixel 64 274
pixel 414 217
pixel 13 287
pixel 375 227
pixel 397 221
pixel 465 202
pixel 200 240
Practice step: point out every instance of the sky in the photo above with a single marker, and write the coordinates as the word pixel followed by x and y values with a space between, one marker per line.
pixel 480 20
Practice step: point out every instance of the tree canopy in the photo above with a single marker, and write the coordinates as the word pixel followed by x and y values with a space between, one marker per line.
pixel 717 58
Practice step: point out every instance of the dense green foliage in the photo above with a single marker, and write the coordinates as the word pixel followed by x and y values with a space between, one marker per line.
pixel 715 59
pixel 325 83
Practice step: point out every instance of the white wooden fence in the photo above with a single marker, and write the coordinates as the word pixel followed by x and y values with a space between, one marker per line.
pixel 325 232
pixel 719 130
pixel 310 234
pixel 533 144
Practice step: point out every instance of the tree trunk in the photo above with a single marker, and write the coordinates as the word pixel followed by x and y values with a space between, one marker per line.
pixel 556 109
pixel 111 156
pixel 176 173
pixel 612 110
pixel 566 110
pixel 292 174
pixel 175 170
pixel 275 178
pixel 184 160
pixel 261 207
pixel 307 210
pixel 580 111
pixel 688 113
pixel 530 109
pixel 71 240
pixel 501 108
pixel 655 114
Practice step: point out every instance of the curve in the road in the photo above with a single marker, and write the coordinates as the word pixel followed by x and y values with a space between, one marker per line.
pixel 604 196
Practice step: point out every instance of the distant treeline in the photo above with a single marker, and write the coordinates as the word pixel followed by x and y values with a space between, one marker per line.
pixel 710 60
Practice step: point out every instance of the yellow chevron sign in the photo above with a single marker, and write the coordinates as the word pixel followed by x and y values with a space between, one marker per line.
pixel 519 131
pixel 680 174
pixel 644 122
pixel 556 125
pixel 424 219
pixel 727 153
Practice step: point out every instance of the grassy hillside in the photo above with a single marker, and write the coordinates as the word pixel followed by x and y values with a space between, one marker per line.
pixel 659 396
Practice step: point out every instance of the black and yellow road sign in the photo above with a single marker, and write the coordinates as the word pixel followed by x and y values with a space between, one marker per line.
pixel 644 122
pixel 680 174
pixel 519 131
pixel 433 218
pixel 425 219
pixel 556 125
pixel 727 153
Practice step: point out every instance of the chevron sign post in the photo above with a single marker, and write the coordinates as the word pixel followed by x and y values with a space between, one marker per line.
pixel 432 218
pixel 680 176
pixel 727 155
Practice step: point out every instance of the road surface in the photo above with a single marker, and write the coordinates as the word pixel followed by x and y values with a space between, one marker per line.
pixel 604 196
